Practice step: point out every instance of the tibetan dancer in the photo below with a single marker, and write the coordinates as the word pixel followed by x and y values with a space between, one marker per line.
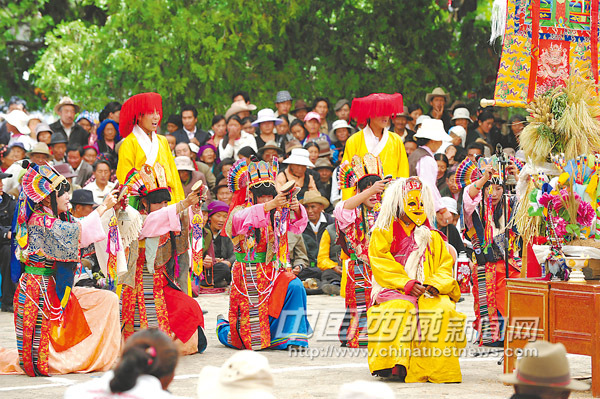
pixel 415 332
pixel 151 296
pixel 485 225
pixel 267 306
pixel 354 219
pixel 59 328
pixel 139 119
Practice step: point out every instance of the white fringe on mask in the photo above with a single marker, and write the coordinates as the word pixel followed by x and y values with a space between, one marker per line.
pixel 498 19
pixel 414 266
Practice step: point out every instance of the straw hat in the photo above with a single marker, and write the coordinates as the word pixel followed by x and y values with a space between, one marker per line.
pixel 40 148
pixel 18 119
pixel 545 366
pixel 432 129
pixel 239 106
pixel 437 92
pixel 314 197
pixel 266 115
pixel 66 100
pixel 292 144
pixel 461 113
pixel 245 375
pixel 405 114
pixel 299 156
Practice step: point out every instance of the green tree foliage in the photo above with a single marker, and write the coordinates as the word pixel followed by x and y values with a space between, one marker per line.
pixel 201 51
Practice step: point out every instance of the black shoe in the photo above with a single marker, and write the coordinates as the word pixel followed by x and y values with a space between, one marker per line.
pixel 7 308
pixel 385 373
pixel 202 341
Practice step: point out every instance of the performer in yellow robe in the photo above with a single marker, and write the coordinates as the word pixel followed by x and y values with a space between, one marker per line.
pixel 415 332
pixel 375 111
pixel 139 119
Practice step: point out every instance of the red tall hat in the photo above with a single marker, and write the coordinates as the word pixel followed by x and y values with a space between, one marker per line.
pixel 136 106
pixel 376 104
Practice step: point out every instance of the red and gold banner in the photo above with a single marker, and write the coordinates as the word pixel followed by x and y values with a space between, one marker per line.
pixel 544 42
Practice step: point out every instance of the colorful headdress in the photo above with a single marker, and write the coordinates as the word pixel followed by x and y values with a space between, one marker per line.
pixel 135 107
pixel 376 104
pixel 469 172
pixel 147 182
pixel 350 175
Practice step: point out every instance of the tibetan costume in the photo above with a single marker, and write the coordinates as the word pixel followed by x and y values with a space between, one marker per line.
pixel 60 328
pixel 389 148
pixel 151 296
pixel 416 337
pixel 139 148
pixel 267 304
pixel 354 233
pixel 485 226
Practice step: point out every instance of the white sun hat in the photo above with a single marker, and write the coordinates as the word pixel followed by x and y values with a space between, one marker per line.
pixel 245 375
pixel 432 129
pixel 299 156
pixel 266 115
pixel 18 119
pixel 461 113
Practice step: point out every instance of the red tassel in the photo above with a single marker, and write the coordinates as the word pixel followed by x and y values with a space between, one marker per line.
pixel 136 106
pixel 373 105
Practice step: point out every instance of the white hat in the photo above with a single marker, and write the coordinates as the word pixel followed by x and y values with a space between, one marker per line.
pixel 460 132
pixel 340 124
pixel 245 375
pixel 461 113
pixel 366 390
pixel 194 148
pixel 18 119
pixel 299 156
pixel 432 129
pixel 422 118
pixel 450 204
pixel 266 115
pixel 184 163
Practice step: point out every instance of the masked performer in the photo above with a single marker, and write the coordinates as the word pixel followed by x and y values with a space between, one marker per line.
pixel 267 306
pixel 374 112
pixel 59 328
pixel 485 225
pixel 140 117
pixel 415 331
pixel 151 296
pixel 355 218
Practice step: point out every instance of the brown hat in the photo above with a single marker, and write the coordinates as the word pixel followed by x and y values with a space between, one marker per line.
pixel 66 170
pixel 290 145
pixel 270 145
pixel 544 365
pixel 340 104
pixel 239 106
pixel 405 114
pixel 322 163
pixel 66 100
pixel 324 149
pixel 314 197
pixel 300 105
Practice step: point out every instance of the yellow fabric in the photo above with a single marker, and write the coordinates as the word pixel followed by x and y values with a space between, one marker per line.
pixel 393 157
pixel 323 260
pixel 132 156
pixel 432 355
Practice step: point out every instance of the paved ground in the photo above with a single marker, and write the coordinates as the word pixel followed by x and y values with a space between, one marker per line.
pixel 295 377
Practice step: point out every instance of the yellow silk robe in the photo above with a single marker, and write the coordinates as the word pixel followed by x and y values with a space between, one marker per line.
pixel 393 156
pixel 132 156
pixel 433 353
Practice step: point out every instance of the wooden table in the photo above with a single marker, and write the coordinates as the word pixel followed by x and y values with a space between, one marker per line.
pixel 560 311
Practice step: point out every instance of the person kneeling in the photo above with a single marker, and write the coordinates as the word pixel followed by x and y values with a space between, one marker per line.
pixel 415 331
